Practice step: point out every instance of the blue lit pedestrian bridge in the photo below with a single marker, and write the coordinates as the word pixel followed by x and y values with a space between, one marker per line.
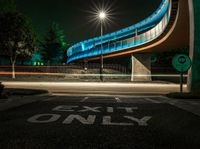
pixel 131 37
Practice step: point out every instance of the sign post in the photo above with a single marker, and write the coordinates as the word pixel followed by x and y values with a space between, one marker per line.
pixel 181 82
pixel 181 63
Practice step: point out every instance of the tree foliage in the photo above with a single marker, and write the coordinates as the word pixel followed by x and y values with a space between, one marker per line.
pixel 7 6
pixel 16 35
pixel 17 38
pixel 54 45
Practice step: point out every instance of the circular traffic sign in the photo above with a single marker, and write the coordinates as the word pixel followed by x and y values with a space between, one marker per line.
pixel 181 63
pixel 154 59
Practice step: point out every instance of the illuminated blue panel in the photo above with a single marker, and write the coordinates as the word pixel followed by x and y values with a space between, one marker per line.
pixel 90 47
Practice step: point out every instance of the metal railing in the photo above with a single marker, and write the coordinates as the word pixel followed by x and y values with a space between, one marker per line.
pixel 64 69
pixel 138 40
pixel 83 51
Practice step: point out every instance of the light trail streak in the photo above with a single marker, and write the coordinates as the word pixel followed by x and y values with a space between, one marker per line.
pixel 91 75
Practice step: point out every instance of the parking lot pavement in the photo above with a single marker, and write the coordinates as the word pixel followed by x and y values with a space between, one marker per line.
pixel 16 101
pixel 3 101
pixel 96 122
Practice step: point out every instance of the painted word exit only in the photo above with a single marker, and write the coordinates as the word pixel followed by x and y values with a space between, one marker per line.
pixel 91 118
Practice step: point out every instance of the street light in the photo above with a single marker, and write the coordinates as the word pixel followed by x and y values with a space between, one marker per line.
pixel 102 17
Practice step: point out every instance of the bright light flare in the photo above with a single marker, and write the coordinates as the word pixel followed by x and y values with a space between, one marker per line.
pixel 101 12
pixel 102 15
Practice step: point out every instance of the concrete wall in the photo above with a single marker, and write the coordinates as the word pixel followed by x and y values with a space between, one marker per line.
pixel 141 67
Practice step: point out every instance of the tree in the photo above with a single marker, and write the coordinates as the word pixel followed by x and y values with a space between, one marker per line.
pixel 1 89
pixel 7 6
pixel 54 45
pixel 17 38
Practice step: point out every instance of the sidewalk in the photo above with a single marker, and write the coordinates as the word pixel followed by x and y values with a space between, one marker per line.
pixel 99 87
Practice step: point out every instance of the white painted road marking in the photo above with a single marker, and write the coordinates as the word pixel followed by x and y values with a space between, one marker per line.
pixel 118 100
pixel 128 109
pixel 141 122
pixel 50 118
pixel 110 109
pixel 84 99
pixel 153 101
pixel 90 109
pixel 65 108
pixel 90 120
pixel 86 121
pixel 50 99
pixel 81 109
pixel 107 120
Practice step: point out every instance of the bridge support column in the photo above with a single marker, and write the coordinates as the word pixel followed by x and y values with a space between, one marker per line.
pixel 141 67
pixel 194 73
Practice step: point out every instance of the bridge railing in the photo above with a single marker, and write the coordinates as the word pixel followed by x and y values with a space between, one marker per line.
pixel 64 68
pixel 143 25
pixel 126 43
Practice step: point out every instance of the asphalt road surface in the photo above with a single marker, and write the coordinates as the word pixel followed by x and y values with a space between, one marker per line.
pixel 99 122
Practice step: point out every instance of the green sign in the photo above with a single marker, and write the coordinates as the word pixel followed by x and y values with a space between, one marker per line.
pixel 154 59
pixel 181 63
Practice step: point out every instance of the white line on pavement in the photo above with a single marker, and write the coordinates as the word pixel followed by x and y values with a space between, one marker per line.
pixel 194 103
pixel 151 100
pixel 49 99
pixel 84 99
pixel 118 100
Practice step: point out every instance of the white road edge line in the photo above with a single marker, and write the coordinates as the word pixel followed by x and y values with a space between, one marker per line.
pixel 168 100
pixel 50 98
pixel 84 99
pixel 118 100
pixel 151 100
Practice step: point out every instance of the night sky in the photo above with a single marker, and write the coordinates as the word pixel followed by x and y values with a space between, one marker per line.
pixel 74 16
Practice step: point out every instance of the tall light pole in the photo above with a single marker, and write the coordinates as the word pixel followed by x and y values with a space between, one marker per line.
pixel 102 17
